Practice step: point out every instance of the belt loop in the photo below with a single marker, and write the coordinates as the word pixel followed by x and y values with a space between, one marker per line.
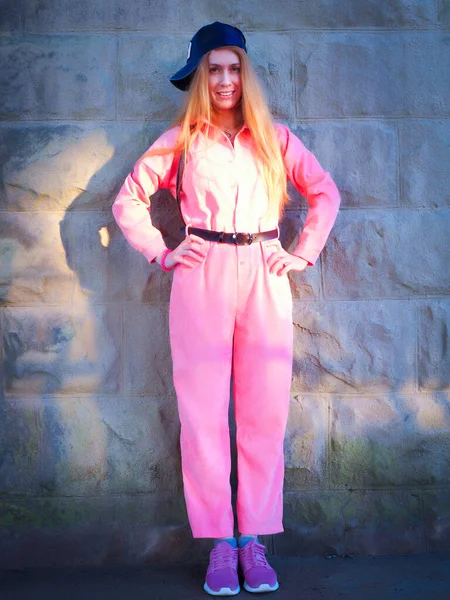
pixel 221 237
pixel 186 230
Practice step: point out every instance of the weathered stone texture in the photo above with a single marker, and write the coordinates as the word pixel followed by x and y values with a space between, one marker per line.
pixel 433 345
pixel 90 468
pixel 322 14
pixel 361 522
pixel 144 89
pixel 53 77
pixel 360 156
pixel 388 255
pixel 385 75
pixel 33 266
pixel 444 12
pixel 85 15
pixel 390 441
pixel 146 351
pixel 353 347
pixel 11 15
pixel 105 266
pixel 425 156
pixel 62 350
pixel 272 62
pixel 89 446
pixel 305 447
pixel 305 285
pixel 146 541
pixel 42 170
pixel 437 518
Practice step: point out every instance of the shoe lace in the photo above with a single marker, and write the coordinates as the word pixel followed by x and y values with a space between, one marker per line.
pixel 222 558
pixel 254 556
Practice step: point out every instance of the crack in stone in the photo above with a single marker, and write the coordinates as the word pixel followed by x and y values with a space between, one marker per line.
pixel 319 365
pixel 21 187
pixel 115 434
pixel 318 334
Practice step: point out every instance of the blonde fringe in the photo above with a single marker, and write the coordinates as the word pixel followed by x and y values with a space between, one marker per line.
pixel 196 113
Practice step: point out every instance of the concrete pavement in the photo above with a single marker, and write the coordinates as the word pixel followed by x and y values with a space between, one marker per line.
pixel 413 577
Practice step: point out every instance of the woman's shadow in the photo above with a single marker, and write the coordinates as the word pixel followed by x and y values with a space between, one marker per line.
pixel 111 274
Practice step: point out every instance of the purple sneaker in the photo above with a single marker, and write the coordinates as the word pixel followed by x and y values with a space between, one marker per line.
pixel 221 576
pixel 259 575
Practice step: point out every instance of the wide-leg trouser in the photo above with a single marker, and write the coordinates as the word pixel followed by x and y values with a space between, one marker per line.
pixel 229 316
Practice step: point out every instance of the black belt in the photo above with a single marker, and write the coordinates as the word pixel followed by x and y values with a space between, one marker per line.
pixel 240 239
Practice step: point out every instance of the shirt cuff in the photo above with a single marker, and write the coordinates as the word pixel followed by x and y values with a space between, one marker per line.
pixel 157 248
pixel 310 257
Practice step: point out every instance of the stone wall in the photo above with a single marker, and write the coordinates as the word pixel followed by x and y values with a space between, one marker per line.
pixel 89 455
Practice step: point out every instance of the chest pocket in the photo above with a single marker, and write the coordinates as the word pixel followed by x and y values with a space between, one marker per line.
pixel 209 170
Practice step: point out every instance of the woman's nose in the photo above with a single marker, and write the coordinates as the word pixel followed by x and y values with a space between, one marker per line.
pixel 225 77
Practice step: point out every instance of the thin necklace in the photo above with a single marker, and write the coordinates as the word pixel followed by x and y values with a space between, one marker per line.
pixel 230 132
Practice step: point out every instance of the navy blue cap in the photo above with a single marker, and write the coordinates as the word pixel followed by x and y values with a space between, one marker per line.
pixel 209 37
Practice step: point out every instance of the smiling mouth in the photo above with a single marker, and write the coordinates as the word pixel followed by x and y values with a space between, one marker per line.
pixel 225 94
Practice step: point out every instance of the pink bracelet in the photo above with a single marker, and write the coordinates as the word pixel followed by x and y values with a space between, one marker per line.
pixel 163 261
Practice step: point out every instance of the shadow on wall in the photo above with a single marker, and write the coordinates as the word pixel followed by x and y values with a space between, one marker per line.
pixel 89 432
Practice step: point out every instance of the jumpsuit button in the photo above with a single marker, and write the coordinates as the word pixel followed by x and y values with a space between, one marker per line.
pixel 242 262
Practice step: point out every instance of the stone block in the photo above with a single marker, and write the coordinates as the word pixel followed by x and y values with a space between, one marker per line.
pixel 353 347
pixel 437 520
pixel 395 255
pixel 133 447
pixel 433 346
pixel 391 441
pixel 95 530
pixel 11 15
pixel 443 13
pixel 322 14
pixel 360 156
pixel 305 444
pixel 144 89
pixel 424 157
pixel 305 285
pixel 361 74
pixel 344 523
pixel 138 546
pixel 68 166
pixel 272 60
pixel 57 77
pixel 106 266
pixel 71 350
pixel 147 361
pixel 33 266
pixel 64 15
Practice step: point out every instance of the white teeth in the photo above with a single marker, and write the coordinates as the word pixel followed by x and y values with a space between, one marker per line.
pixel 225 94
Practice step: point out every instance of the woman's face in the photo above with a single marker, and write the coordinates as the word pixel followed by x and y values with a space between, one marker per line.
pixel 224 79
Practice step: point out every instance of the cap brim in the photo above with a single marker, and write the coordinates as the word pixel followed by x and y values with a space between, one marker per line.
pixel 182 78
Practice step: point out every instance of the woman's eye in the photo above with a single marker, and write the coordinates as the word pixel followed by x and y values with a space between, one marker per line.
pixel 236 69
pixel 213 70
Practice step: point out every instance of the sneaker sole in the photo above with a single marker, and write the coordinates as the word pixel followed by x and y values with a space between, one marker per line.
pixel 264 587
pixel 222 591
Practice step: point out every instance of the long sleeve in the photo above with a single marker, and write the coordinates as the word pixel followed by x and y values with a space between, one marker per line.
pixel 320 191
pixel 131 208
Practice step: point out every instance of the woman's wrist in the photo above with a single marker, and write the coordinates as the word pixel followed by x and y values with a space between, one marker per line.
pixel 162 260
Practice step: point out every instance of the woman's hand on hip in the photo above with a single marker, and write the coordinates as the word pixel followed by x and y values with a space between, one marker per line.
pixel 281 262
pixel 190 252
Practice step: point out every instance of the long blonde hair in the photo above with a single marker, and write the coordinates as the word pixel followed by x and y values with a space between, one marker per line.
pixel 197 111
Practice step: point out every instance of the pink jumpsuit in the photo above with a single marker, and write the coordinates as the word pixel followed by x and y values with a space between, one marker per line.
pixel 230 317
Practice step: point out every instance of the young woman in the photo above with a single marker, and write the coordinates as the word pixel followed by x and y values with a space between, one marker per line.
pixel 231 306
